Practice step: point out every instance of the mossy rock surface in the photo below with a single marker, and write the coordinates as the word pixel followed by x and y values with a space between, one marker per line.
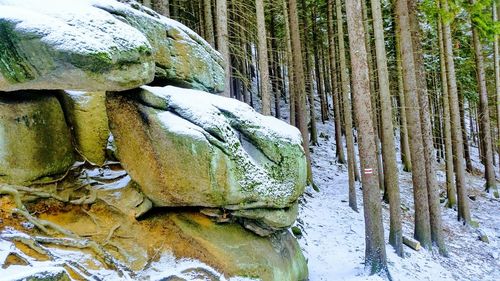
pixel 86 113
pixel 35 140
pixel 190 148
pixel 69 45
pixel 183 58
pixel 242 253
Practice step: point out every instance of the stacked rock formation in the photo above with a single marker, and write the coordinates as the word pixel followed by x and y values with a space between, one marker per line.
pixel 73 79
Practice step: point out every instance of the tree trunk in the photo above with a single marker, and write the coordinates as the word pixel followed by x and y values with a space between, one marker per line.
pixel 223 43
pixel 388 145
pixel 403 126
pixel 496 57
pixel 209 23
pixel 162 7
pixel 299 82
pixel 489 173
pixel 425 117
pixel 351 164
pixel 450 185
pixel 461 106
pixel 422 222
pixel 375 256
pixel 263 60
pixel 317 65
pixel 335 95
pixel 374 96
pixel 456 128
pixel 289 57
pixel 309 76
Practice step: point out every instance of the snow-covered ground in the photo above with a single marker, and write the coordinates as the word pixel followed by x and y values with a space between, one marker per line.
pixel 333 240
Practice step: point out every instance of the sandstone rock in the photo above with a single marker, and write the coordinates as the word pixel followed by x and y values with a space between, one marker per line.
pixel 275 258
pixel 69 45
pixel 182 57
pixel 190 148
pixel 34 138
pixel 86 113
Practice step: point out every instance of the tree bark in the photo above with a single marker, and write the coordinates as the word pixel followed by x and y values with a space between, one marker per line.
pixel 223 43
pixel 388 145
pixel 335 95
pixel 351 164
pixel 375 256
pixel 422 222
pixel 425 117
pixel 209 22
pixel 309 75
pixel 450 184
pixel 496 57
pixel 456 128
pixel 489 173
pixel 263 59
pixel 299 82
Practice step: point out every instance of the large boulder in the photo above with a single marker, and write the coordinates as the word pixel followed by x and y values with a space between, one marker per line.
pixel 191 148
pixel 182 57
pixel 100 45
pixel 69 45
pixel 86 113
pixel 241 253
pixel 35 140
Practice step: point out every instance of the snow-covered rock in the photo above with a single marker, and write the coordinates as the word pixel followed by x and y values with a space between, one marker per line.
pixel 182 57
pixel 58 44
pixel 191 148
pixel 34 137
pixel 100 45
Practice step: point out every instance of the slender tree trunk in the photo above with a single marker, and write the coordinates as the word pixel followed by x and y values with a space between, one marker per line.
pixel 456 128
pixel 403 127
pixel 375 256
pixel 309 76
pixel 289 59
pixel 351 164
pixel 450 184
pixel 223 42
pixel 299 82
pixel 209 23
pixel 496 57
pixel 162 7
pixel 425 117
pixel 374 96
pixel 422 221
pixel 263 59
pixel 388 145
pixel 489 173
pixel 461 106
pixel 336 101
pixel 317 65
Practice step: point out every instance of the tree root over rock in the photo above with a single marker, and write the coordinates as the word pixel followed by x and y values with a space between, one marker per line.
pixel 70 239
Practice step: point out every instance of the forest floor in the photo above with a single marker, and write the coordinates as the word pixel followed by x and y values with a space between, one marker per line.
pixel 333 234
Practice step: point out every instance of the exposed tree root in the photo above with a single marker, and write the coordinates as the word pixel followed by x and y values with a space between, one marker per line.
pixel 72 240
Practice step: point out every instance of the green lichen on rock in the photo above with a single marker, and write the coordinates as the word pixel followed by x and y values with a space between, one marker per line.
pixel 274 258
pixel 41 145
pixel 86 113
pixel 75 46
pixel 186 152
pixel 182 57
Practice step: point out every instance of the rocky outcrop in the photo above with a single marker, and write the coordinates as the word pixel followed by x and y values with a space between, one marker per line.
pixel 69 45
pixel 86 113
pixel 182 57
pixel 100 45
pixel 190 148
pixel 34 138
